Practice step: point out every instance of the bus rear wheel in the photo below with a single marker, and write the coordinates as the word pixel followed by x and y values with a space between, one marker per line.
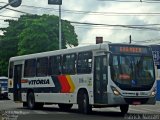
pixel 83 103
pixel 31 101
pixel 65 107
pixel 124 109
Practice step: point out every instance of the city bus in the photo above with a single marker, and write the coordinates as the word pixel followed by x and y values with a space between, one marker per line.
pixel 94 76
pixel 3 87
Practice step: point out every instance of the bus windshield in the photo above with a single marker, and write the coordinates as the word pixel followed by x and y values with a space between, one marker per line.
pixel 132 72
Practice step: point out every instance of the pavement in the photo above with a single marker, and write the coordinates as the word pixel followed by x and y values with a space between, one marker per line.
pixel 158 102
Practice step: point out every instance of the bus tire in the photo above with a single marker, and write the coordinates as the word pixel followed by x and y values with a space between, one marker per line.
pixel 83 103
pixel 31 101
pixel 25 104
pixel 39 105
pixel 124 109
pixel 65 107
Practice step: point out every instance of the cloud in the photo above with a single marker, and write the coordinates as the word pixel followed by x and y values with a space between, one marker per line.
pixel 119 34
pixel 86 34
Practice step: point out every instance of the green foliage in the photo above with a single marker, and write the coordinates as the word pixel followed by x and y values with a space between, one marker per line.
pixel 32 34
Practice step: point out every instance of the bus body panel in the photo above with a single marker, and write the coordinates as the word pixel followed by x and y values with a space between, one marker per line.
pixel 48 90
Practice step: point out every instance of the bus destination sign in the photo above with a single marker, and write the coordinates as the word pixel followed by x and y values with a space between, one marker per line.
pixel 129 49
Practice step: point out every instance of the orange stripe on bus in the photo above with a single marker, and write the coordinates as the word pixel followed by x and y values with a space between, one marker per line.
pixel 72 86
pixel 64 84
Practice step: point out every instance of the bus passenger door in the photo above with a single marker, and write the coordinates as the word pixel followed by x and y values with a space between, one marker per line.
pixel 17 82
pixel 100 79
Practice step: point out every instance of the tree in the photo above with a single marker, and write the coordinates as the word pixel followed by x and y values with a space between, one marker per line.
pixel 41 34
pixel 32 34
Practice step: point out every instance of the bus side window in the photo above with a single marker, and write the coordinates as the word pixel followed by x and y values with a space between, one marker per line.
pixel 69 64
pixel 30 68
pixel 42 66
pixel 55 67
pixel 84 63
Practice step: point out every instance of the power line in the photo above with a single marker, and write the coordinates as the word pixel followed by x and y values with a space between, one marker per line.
pixel 119 0
pixel 95 13
pixel 103 27
pixel 149 40
pixel 126 26
pixel 110 25
pixel 92 12
pixel 8 16
pixel 132 1
pixel 16 10
pixel 143 27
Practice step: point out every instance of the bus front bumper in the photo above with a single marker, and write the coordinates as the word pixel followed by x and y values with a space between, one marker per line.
pixel 148 100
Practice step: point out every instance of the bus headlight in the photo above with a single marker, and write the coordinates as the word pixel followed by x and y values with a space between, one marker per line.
pixel 115 91
pixel 153 93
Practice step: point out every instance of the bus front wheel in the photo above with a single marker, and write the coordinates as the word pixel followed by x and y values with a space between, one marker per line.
pixel 83 104
pixel 124 109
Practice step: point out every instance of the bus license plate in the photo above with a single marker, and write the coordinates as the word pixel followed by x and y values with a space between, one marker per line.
pixel 136 103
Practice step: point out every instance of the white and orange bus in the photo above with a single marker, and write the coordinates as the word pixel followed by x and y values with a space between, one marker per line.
pixel 101 75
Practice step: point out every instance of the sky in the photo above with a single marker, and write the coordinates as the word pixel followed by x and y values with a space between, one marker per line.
pixel 112 18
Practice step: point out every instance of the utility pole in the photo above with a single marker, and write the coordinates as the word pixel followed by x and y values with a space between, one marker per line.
pixel 60 28
pixel 58 2
pixel 130 39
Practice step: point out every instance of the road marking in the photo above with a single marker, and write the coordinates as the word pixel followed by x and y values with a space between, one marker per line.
pixel 62 113
pixel 137 110
pixel 142 110
pixel 150 110
pixel 107 109
pixel 39 112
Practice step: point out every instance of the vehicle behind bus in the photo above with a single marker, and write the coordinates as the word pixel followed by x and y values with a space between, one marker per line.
pixel 3 87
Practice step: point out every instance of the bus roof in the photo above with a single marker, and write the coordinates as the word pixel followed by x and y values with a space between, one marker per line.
pixel 67 51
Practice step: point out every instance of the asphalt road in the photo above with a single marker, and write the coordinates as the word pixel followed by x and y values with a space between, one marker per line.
pixel 15 111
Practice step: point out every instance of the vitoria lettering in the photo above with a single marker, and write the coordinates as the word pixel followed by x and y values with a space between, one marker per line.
pixel 33 82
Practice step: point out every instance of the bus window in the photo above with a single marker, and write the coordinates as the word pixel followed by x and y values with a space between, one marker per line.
pixel 30 68
pixel 125 64
pixel 145 69
pixel 115 68
pixel 42 66
pixel 55 67
pixel 69 64
pixel 84 64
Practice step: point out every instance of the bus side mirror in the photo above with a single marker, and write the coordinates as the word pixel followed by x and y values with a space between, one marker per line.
pixel 15 3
